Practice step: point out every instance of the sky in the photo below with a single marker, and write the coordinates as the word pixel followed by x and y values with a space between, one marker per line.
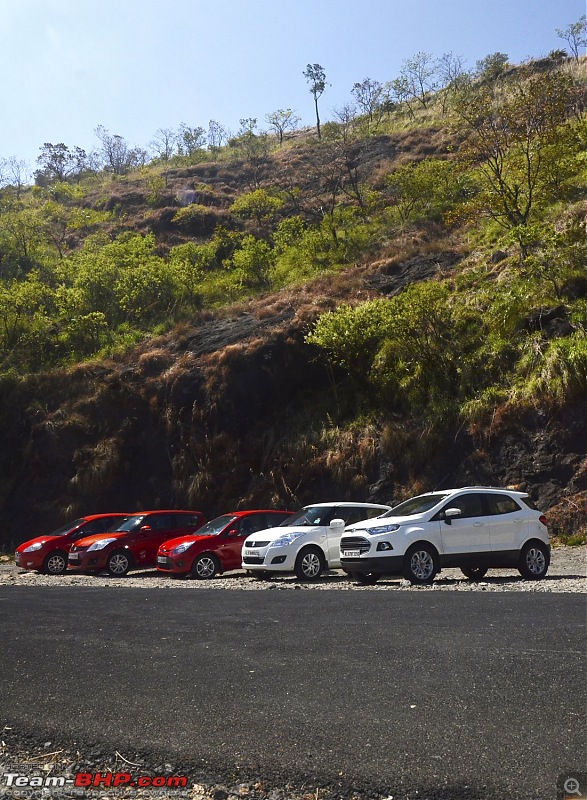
pixel 137 66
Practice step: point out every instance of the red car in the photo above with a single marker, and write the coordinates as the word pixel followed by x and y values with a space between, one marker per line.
pixel 49 553
pixel 134 544
pixel 217 546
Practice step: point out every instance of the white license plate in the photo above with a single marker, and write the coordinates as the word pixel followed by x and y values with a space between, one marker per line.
pixel 161 560
pixel 73 557
pixel 251 552
pixel 351 553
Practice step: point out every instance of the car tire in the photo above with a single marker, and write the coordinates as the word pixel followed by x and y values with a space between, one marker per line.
pixel 205 567
pixel 365 578
pixel 118 564
pixel 420 564
pixel 309 564
pixel 534 561
pixel 55 563
pixel 474 573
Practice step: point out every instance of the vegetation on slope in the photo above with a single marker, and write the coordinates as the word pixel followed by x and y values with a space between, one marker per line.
pixel 491 170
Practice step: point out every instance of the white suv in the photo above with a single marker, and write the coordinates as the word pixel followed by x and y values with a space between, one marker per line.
pixel 473 528
pixel 306 543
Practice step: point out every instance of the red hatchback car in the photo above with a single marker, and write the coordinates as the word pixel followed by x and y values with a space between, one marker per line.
pixel 134 544
pixel 49 553
pixel 217 546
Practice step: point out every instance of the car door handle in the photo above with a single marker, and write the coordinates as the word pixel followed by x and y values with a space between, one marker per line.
pixel 478 524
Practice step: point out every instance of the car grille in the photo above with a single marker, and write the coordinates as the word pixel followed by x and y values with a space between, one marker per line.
pixel 355 543
pixel 253 560
pixel 256 544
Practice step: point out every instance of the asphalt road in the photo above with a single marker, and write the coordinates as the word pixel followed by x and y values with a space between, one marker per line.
pixel 448 695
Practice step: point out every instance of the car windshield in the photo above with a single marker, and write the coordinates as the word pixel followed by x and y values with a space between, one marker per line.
pixel 416 505
pixel 66 528
pixel 131 524
pixel 312 515
pixel 215 526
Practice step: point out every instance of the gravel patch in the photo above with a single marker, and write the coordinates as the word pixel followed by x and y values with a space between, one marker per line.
pixel 567 573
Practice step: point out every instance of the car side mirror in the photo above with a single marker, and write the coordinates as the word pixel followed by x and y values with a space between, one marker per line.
pixel 144 529
pixel 233 532
pixel 337 523
pixel 450 513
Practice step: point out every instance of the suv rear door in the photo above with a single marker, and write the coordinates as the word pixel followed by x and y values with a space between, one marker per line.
pixel 509 522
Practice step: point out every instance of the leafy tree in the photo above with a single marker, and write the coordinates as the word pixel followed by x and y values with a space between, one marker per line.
pixel 259 205
pixel 491 67
pixel 281 121
pixel 255 147
pixel 190 141
pixel 252 263
pixel 369 95
pixel 426 189
pixel 316 77
pixel 58 163
pixel 512 139
pixel 575 35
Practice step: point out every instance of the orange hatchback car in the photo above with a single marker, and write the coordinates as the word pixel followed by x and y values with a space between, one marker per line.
pixel 134 544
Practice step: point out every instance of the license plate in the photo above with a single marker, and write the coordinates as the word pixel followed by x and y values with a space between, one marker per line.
pixel 17 559
pixel 161 560
pixel 251 552
pixel 73 557
pixel 351 553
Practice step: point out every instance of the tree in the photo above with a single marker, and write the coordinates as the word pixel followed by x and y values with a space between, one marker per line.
pixel 369 95
pixel 58 163
pixel 190 140
pixel 118 157
pixel 515 141
pixel 346 119
pixel 14 172
pixel 451 73
pixel 316 77
pixel 491 67
pixel 164 143
pixel 575 35
pixel 417 77
pixel 217 136
pixel 281 121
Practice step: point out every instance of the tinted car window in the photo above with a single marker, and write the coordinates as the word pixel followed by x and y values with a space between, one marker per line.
pixel 160 522
pixel 415 505
pixel 501 504
pixel 353 514
pixel 471 505
pixel 186 520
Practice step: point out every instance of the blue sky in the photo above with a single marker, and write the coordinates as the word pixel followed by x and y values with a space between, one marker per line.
pixel 135 66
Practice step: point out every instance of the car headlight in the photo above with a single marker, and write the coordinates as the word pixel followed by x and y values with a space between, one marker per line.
pixel 181 548
pixel 101 544
pixel 383 529
pixel 31 548
pixel 287 538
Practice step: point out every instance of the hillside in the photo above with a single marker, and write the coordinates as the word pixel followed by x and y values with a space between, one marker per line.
pixel 351 318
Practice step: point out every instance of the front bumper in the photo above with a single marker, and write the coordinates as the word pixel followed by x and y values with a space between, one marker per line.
pixel 32 560
pixel 84 561
pixel 384 565
pixel 268 559
pixel 175 566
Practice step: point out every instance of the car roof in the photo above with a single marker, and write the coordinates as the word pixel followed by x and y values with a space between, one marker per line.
pixel 89 517
pixel 338 503
pixel 497 489
pixel 254 511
